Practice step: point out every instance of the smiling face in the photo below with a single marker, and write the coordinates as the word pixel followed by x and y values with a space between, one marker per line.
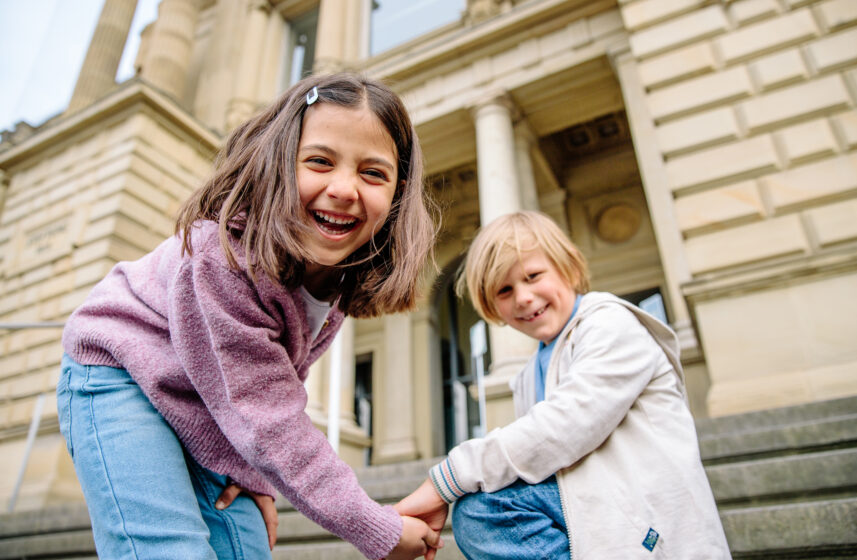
pixel 535 298
pixel 346 170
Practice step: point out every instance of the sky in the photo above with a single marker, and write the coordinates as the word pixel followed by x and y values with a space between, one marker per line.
pixel 42 46
pixel 43 43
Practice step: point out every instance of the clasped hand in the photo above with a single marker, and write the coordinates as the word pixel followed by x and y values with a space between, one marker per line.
pixel 426 506
pixel 423 516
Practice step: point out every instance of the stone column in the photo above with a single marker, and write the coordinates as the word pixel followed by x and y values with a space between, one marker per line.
pixel 554 205
pixel 525 140
pixel 346 382
pixel 658 196
pixel 499 194
pixel 167 61
pixel 244 93
pixel 272 64
pixel 330 37
pixel 219 66
pixel 395 439
pixel 315 384
pixel 342 36
pixel 98 73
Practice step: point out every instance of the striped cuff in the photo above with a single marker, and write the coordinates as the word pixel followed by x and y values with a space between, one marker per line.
pixel 443 478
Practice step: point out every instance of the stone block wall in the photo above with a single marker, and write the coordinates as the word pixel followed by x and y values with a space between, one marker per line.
pixel 753 106
pixel 80 198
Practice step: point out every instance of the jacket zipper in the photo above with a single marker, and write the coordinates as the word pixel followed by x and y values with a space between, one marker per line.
pixel 567 514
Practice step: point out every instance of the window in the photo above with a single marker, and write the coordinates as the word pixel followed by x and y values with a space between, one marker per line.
pixel 397 21
pixel 363 398
pixel 299 49
pixel 651 301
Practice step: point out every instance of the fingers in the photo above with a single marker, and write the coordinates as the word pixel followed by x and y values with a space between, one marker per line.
pixel 227 496
pixel 269 514
pixel 432 538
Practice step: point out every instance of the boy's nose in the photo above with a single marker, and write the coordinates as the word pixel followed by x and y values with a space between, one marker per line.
pixel 523 297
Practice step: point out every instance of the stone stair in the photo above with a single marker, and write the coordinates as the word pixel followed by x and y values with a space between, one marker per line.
pixel 785 482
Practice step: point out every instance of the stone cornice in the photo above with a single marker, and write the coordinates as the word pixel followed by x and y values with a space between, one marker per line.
pixel 462 44
pixel 135 92
pixel 768 276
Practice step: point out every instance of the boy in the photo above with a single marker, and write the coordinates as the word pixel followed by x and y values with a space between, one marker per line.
pixel 602 461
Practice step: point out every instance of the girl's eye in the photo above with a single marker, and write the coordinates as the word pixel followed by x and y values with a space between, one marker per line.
pixel 505 290
pixel 375 173
pixel 533 275
pixel 318 160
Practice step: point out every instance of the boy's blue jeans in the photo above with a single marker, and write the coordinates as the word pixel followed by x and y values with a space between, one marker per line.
pixel 146 497
pixel 520 522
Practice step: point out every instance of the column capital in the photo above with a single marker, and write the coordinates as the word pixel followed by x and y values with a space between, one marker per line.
pixel 619 53
pixel 524 131
pixel 261 5
pixel 493 99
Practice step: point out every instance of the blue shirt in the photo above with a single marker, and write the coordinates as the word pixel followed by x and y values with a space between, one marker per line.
pixel 544 358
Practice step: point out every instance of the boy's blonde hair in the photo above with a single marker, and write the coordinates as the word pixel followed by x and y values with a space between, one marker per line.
pixel 502 243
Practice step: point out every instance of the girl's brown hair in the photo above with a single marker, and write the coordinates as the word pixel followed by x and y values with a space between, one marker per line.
pixel 253 195
pixel 501 244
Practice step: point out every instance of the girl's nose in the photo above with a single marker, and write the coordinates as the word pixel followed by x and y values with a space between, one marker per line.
pixel 342 187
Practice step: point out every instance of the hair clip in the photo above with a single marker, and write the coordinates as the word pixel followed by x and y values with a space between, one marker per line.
pixel 312 96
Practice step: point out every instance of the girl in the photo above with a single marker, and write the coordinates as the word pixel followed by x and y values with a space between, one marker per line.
pixel 602 460
pixel 184 370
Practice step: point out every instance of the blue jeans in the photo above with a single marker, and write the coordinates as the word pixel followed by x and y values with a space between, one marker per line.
pixel 146 497
pixel 520 522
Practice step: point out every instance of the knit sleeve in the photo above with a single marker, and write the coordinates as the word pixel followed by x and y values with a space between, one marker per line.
pixel 612 360
pixel 236 354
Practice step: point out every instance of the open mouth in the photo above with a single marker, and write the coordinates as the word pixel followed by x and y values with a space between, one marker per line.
pixel 534 315
pixel 333 224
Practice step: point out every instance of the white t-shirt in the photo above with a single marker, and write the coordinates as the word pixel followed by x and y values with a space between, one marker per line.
pixel 316 311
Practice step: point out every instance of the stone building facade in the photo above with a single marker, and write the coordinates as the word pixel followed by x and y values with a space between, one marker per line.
pixel 700 152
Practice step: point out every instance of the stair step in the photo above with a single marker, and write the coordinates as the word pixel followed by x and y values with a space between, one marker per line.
pixel 340 550
pixel 830 473
pixel 754 441
pixel 804 530
pixel 68 544
pixel 777 417
pixel 57 519
pixel 785 482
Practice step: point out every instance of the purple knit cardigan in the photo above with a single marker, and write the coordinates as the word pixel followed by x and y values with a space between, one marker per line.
pixel 224 359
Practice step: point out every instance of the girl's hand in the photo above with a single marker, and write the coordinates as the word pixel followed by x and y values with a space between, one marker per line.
pixel 417 539
pixel 263 502
pixel 426 504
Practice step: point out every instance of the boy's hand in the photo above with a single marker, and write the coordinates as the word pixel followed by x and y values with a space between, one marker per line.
pixel 263 502
pixel 426 504
pixel 417 539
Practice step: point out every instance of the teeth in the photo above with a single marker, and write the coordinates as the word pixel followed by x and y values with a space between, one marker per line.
pixel 534 315
pixel 335 220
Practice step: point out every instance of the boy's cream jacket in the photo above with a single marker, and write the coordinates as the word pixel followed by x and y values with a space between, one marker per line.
pixel 616 430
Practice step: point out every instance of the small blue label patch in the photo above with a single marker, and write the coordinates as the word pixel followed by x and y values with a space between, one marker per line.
pixel 651 540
